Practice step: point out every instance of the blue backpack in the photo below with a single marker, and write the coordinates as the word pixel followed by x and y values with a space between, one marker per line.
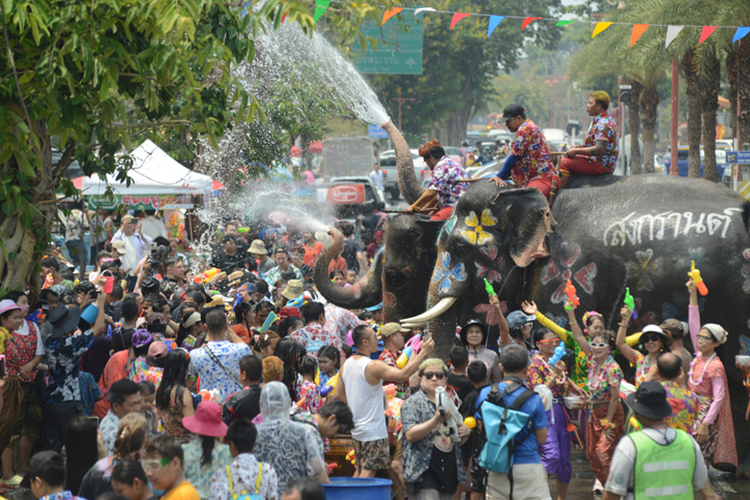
pixel 505 427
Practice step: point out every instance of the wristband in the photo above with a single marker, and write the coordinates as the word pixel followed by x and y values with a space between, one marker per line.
pixel 607 424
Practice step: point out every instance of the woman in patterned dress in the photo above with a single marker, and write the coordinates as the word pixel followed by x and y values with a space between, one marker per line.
pixel 652 343
pixel 174 399
pixel 606 417
pixel 308 394
pixel 713 427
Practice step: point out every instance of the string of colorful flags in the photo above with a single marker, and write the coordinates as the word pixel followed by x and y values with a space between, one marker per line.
pixel 599 27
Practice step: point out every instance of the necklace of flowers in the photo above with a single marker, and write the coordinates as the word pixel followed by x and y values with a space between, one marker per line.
pixel 593 375
pixel 561 379
pixel 692 365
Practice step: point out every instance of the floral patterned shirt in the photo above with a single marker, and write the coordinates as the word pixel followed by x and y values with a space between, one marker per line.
pixel 602 381
pixel 389 358
pixel 540 372
pixel 274 274
pixel 244 471
pixel 532 147
pixel 444 180
pixel 90 392
pixel 211 374
pixel 603 128
pixel 311 395
pixel 65 495
pixel 642 366
pixel 340 320
pixel 63 360
pixel 200 476
pixel 139 370
pixel 684 406
pixel 313 332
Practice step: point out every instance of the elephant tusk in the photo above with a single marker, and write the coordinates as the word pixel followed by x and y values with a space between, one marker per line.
pixel 430 314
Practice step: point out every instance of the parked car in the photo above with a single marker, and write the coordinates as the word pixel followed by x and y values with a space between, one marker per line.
pixel 682 159
pixel 349 196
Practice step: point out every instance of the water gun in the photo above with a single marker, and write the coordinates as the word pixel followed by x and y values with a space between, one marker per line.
pixel 444 405
pixel 488 287
pixel 695 274
pixel 329 386
pixel 212 395
pixel 48 281
pixel 570 291
pixel 298 302
pixel 470 422
pixel 243 230
pixel 171 344
pixel 350 457
pixel 269 321
pixel 207 276
pixel 629 302
pixel 559 353
pixel 413 346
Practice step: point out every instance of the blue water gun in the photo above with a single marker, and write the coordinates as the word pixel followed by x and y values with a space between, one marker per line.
pixel 269 321
pixel 559 353
pixel 298 302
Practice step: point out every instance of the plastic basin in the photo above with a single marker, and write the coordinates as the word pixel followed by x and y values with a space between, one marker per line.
pixel 347 488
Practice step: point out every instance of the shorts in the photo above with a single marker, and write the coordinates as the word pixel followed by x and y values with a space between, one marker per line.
pixel 529 483
pixel 583 165
pixel 543 184
pixel 372 455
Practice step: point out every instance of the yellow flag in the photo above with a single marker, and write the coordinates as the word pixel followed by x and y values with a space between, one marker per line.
pixel 600 27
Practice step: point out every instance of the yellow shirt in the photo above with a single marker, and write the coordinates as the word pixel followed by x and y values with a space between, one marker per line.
pixel 184 491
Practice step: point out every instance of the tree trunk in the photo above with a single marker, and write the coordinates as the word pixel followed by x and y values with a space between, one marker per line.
pixel 694 114
pixel 710 83
pixel 743 90
pixel 649 103
pixel 731 63
pixel 634 124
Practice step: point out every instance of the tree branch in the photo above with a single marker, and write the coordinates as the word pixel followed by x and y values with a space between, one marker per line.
pixel 15 74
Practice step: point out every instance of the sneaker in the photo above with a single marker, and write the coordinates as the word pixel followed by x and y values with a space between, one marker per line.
pixel 598 488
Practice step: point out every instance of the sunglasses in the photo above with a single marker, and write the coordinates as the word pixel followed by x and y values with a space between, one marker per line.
pixel 650 338
pixel 430 375
pixel 600 345
pixel 705 337
pixel 155 463
pixel 550 341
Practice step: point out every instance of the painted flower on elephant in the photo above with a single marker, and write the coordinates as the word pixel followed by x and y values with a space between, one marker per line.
pixel 646 269
pixel 478 236
pixel 444 273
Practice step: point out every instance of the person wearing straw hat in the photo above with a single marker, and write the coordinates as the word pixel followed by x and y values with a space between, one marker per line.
pixel 205 454
pixel 258 250
pixel 293 290
pixel 657 461
pixel 653 341
pixel 392 335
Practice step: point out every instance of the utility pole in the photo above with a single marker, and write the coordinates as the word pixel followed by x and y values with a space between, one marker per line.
pixel 401 100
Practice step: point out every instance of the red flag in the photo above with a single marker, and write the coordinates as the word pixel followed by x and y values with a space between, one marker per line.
pixel 705 33
pixel 638 30
pixel 457 17
pixel 390 13
pixel 529 20
pixel 283 18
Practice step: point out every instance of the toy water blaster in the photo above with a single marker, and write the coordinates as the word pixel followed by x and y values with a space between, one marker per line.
pixel 207 276
pixel 695 274
pixel 272 317
pixel 570 291
pixel 444 405
pixel 559 353
pixel 329 386
pixel 412 347
pixel 629 302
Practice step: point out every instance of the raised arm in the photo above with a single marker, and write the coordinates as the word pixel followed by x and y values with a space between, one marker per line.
pixel 501 324
pixel 531 308
pixel 694 316
pixel 378 370
pixel 624 348
pixel 576 330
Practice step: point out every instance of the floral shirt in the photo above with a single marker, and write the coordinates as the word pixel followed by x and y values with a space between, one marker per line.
pixel 65 495
pixel 274 274
pixel 108 427
pixel 63 360
pixel 684 406
pixel 310 393
pixel 211 374
pixel 642 366
pixel 444 181
pixel 340 320
pixel 313 332
pixel 139 370
pixel 309 420
pixel 540 372
pixel 601 381
pixel 244 471
pixel 531 146
pixel 389 358
pixel 200 476
pixel 603 128
pixel 416 456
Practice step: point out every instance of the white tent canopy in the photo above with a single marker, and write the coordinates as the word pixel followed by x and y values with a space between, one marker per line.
pixel 154 172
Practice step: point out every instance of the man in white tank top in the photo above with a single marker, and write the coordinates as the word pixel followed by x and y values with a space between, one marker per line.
pixel 361 387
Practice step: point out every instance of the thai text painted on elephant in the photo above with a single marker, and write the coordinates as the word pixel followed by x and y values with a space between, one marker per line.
pixel 650 227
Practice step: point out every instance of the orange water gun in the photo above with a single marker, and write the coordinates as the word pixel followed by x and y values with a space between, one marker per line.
pixel 570 290
pixel 206 276
pixel 695 274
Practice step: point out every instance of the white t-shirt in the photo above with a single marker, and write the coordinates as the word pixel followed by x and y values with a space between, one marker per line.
pixel 130 259
pixel 377 179
pixel 153 227
pixel 622 470
pixel 24 330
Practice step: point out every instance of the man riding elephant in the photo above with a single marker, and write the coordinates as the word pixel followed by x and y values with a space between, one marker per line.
pixel 444 189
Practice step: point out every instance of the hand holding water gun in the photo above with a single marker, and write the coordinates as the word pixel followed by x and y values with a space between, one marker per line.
pixel 351 458
pixel 412 347
pixel 695 275
pixel 570 291
pixel 629 302
pixel 272 317
pixel 559 353
pixel 207 276
pixel 488 287
pixel 329 386
pixel 48 281
pixel 298 302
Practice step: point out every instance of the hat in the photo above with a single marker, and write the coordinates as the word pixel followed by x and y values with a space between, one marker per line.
pixel 666 339
pixel 390 328
pixel 258 248
pixel 717 331
pixel 150 285
pixel 206 421
pixel 63 320
pixel 481 325
pixel 129 218
pixel 191 320
pixel 249 287
pixel 650 400
pixel 234 278
pixel 141 337
pixel 216 301
pixel 378 234
pixel 241 332
pixel 293 289
pixel 511 111
pixel 281 250
pixel 158 350
pixel 119 245
pixel 674 327
pixel 8 305
pixel 517 319
pixel 374 308
pixel 287 311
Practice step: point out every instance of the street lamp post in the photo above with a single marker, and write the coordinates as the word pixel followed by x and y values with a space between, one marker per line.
pixel 400 101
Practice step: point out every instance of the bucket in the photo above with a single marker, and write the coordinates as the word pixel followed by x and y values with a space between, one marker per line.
pixel 90 313
pixel 347 488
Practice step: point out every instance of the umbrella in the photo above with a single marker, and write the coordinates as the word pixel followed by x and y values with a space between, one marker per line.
pixel 278 217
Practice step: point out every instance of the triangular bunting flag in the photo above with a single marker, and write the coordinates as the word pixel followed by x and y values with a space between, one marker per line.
pixel 638 30
pixel 457 17
pixel 283 18
pixel 600 27
pixel 705 33
pixel 740 33
pixel 390 13
pixel 528 20
pixel 494 21
pixel 424 9
pixel 564 22
pixel 320 8
pixel 672 32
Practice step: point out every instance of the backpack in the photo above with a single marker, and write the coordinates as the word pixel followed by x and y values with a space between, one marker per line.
pixel 312 345
pixel 505 427
pixel 244 495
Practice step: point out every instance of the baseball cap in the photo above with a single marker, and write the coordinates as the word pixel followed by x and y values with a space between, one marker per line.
pixel 390 328
pixel 511 111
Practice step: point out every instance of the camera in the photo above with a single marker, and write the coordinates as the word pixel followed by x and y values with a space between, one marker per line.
pixel 158 253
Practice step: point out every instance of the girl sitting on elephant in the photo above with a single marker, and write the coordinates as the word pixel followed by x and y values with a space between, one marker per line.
pixel 652 342
pixel 606 416
pixel 713 427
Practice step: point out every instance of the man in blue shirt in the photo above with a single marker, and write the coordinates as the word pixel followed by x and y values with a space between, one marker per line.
pixel 529 475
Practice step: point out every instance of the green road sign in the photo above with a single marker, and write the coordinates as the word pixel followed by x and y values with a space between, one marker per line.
pixel 398 47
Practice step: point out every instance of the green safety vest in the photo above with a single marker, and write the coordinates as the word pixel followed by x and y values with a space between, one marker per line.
pixel 663 471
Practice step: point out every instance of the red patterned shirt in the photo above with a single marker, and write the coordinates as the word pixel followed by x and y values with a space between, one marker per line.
pixel 389 358
pixel 603 128
pixel 531 146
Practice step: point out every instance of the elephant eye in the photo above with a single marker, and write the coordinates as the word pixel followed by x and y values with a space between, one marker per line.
pixel 396 279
